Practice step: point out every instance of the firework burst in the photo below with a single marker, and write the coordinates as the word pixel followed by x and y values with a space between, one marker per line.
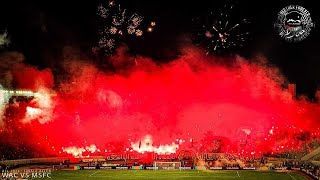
pixel 221 31
pixel 116 23
pixel 4 39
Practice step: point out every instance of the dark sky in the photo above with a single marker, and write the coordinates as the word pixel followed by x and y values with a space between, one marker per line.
pixel 41 30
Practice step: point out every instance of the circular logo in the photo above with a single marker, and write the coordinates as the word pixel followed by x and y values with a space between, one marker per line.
pixel 294 23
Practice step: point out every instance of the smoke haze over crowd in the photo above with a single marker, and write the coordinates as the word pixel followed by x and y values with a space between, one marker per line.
pixel 193 101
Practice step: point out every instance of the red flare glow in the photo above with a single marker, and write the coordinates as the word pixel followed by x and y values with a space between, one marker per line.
pixel 190 103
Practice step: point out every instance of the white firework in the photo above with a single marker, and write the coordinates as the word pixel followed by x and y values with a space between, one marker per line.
pixel 102 11
pixel 222 37
pixel 135 20
pixel 219 32
pixel 4 39
pixel 131 29
pixel 139 32
pixel 113 30
pixel 110 43
pixel 119 19
pixel 116 24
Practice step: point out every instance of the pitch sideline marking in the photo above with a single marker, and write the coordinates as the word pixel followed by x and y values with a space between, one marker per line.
pixel 94 173
pixel 154 177
pixel 291 176
pixel 238 174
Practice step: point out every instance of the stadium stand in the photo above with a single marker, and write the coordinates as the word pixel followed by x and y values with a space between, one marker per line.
pixel 314 154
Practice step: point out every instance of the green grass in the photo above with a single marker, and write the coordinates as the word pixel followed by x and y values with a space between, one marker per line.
pixel 173 174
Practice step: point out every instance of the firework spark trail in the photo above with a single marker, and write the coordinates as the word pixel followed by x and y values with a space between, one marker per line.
pixel 233 27
pixel 219 33
pixel 208 107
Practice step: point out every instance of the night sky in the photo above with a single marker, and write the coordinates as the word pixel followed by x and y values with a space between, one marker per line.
pixel 41 30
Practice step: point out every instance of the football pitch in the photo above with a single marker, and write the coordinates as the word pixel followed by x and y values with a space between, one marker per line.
pixel 174 174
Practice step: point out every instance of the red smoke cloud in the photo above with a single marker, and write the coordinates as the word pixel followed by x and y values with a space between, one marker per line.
pixel 27 77
pixel 191 102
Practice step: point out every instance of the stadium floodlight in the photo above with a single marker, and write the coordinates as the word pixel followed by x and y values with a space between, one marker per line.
pixel 19 92
pixel 167 166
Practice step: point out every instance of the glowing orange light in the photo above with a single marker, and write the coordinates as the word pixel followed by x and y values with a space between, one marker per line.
pixel 150 29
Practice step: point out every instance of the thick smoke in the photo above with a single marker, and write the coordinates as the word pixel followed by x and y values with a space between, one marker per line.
pixel 41 107
pixel 8 62
pixel 194 101
pixel 15 74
